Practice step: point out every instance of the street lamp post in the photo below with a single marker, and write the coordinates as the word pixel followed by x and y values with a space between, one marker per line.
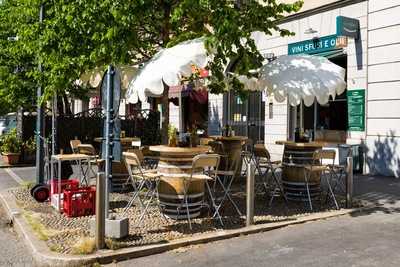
pixel 40 121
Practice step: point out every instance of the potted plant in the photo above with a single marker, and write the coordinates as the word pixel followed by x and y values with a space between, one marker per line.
pixel 171 136
pixel 10 146
pixel 29 149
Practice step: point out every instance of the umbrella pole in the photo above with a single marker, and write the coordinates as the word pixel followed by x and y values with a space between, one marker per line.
pixel 180 116
pixel 315 118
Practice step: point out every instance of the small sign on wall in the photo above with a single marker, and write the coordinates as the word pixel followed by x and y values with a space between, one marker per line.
pixel 356 110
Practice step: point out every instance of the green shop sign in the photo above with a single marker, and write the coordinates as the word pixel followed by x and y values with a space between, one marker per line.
pixel 356 110
pixel 317 45
pixel 347 27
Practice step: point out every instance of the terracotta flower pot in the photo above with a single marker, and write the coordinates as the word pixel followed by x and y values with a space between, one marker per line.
pixel 11 158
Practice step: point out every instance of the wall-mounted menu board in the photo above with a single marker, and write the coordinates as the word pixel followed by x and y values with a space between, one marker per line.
pixel 356 110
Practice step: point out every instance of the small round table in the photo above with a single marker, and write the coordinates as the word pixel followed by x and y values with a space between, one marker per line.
pixel 175 164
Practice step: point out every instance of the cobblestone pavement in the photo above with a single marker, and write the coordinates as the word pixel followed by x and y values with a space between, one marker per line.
pixel 12 249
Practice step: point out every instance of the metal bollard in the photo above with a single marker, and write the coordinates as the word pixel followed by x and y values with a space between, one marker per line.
pixel 349 183
pixel 100 211
pixel 250 194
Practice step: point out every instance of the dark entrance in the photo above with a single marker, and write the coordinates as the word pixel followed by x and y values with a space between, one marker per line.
pixel 245 116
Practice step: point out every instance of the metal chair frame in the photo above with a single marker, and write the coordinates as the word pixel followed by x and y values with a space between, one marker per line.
pixel 139 180
pixel 88 149
pixel 209 163
pixel 228 178
pixel 324 169
pixel 263 160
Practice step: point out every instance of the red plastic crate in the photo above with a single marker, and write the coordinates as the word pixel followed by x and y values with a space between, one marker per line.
pixel 65 184
pixel 80 202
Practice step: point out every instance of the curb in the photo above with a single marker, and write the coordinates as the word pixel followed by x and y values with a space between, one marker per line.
pixel 43 256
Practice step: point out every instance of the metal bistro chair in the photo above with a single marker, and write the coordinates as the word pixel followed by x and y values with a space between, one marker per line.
pixel 339 171
pixel 323 170
pixel 140 179
pixel 204 167
pixel 89 150
pixel 227 174
pixel 74 145
pixel 263 161
pixel 247 154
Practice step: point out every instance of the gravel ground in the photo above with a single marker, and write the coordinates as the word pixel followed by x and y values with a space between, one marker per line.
pixel 12 250
pixel 61 232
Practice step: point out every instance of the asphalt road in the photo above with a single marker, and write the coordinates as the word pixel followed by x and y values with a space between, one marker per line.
pixel 365 239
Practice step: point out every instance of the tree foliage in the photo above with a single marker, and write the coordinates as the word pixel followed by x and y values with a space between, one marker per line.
pixel 78 35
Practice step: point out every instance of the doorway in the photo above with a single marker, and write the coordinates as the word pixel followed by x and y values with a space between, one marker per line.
pixel 245 116
pixel 329 119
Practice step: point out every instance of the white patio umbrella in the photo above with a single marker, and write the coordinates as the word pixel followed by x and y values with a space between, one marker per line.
pixel 94 77
pixel 299 77
pixel 169 66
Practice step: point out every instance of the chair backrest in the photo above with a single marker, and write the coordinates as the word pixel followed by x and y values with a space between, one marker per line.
pixel 86 149
pixel 260 151
pixel 217 147
pixel 324 154
pixel 204 141
pixel 248 145
pixel 206 161
pixel 131 160
pixel 74 145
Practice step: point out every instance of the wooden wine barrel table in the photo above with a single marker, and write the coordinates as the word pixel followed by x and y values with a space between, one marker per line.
pixel 175 164
pixel 233 147
pixel 295 157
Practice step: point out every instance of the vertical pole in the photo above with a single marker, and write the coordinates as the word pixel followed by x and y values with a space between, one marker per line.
pixel 315 116
pixel 100 212
pixel 349 183
pixel 181 130
pixel 250 195
pixel 54 126
pixel 109 135
pixel 39 120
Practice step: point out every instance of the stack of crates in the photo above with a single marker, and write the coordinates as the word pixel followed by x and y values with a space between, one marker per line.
pixel 55 195
pixel 80 201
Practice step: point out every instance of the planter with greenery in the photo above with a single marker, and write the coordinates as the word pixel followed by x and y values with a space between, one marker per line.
pixel 10 146
pixel 29 150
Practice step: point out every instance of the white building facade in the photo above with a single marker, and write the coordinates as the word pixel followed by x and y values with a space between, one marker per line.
pixel 370 109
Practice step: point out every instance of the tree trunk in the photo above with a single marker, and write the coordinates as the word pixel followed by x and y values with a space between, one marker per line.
pixel 66 105
pixel 164 100
pixel 164 115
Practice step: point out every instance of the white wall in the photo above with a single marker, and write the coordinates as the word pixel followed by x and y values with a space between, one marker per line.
pixel 325 23
pixel 383 98
pixel 174 115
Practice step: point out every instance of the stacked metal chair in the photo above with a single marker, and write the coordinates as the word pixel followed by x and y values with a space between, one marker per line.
pixel 323 170
pixel 140 179
pixel 267 169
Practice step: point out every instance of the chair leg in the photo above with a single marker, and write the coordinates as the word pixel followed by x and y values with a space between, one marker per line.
pixel 187 212
pixel 227 195
pixel 135 195
pixel 214 204
pixel 146 208
pixel 279 185
pixel 308 189
pixel 332 194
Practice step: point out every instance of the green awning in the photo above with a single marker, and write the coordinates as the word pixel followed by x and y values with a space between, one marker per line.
pixel 331 54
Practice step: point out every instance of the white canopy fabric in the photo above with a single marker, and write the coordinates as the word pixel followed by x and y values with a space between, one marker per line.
pixel 93 77
pixel 300 77
pixel 169 66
